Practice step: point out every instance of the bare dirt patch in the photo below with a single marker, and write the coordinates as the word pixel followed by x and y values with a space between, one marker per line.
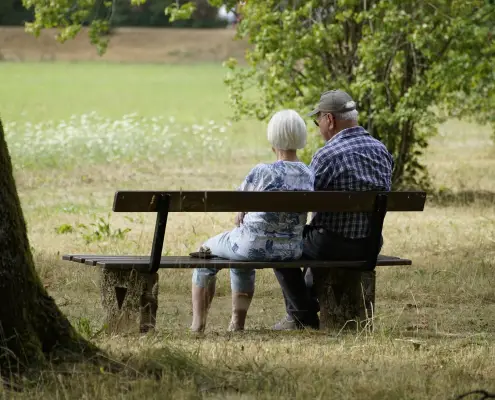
pixel 136 45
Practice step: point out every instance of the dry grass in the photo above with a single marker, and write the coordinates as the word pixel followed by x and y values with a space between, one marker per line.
pixel 435 321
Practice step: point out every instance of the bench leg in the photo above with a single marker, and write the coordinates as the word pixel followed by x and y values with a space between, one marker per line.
pixel 347 299
pixel 130 300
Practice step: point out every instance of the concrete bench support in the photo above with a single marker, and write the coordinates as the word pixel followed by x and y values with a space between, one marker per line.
pixel 347 299
pixel 130 300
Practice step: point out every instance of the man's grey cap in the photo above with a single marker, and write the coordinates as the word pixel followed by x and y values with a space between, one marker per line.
pixel 334 101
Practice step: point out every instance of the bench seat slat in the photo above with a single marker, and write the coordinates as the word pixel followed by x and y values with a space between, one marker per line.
pixel 141 263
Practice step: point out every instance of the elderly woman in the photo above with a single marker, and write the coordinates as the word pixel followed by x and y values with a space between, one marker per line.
pixel 259 236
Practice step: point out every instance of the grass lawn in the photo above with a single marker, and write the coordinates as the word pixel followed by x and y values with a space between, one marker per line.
pixel 78 132
pixel 58 90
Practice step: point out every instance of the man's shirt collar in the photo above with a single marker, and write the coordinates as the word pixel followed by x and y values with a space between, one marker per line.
pixel 355 130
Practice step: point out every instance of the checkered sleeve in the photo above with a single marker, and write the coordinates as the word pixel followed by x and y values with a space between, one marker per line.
pixel 351 161
pixel 324 171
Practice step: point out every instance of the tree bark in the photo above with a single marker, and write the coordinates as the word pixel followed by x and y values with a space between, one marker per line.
pixel 31 325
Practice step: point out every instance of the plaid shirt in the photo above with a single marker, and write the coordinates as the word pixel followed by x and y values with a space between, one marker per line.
pixel 351 161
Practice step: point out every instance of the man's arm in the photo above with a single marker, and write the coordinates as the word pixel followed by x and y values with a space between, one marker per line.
pixel 323 169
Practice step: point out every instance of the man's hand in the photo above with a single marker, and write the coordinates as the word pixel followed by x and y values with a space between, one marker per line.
pixel 239 218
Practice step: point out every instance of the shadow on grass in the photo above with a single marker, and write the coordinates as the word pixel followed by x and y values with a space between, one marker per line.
pixel 165 372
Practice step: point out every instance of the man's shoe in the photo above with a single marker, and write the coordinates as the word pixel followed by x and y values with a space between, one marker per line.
pixel 289 323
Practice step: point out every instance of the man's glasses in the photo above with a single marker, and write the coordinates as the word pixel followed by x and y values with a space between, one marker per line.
pixel 317 120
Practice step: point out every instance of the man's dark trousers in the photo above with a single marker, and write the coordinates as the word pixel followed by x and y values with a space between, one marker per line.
pixel 319 244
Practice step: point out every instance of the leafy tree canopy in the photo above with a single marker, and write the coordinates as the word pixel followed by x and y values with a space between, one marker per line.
pixel 408 63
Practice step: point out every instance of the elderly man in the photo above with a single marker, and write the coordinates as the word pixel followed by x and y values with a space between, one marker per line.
pixel 352 160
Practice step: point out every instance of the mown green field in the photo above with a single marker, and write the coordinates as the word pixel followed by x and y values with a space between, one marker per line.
pixel 78 132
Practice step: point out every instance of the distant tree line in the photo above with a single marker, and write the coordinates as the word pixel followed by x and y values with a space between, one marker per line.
pixel 13 13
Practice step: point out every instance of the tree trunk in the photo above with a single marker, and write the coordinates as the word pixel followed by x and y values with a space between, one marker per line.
pixel 31 325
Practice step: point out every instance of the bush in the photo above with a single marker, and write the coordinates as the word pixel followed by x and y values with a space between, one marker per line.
pixel 399 60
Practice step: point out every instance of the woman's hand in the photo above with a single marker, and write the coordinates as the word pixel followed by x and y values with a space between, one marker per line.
pixel 239 218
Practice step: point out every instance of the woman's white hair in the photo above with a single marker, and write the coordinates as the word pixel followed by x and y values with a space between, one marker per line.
pixel 287 130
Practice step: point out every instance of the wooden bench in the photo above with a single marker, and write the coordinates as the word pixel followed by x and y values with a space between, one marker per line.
pixel 129 284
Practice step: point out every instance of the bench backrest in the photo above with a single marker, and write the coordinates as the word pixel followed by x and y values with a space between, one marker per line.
pixel 295 201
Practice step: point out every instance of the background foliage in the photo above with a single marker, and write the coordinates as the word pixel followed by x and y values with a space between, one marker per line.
pixel 122 13
pixel 408 63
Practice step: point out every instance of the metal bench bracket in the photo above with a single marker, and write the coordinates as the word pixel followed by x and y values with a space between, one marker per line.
pixel 162 207
pixel 376 226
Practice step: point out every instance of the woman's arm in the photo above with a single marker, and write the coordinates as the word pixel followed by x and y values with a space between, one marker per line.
pixel 239 218
pixel 250 183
